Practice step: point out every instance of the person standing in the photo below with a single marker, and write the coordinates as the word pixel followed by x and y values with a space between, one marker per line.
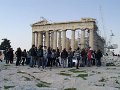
pixel 11 55
pixel 89 60
pixel 64 55
pixel 24 56
pixel 40 56
pixel 98 57
pixel 70 56
pixel 45 56
pixel 18 55
pixel 49 57
pixel 57 57
pixel 33 54
pixel 78 56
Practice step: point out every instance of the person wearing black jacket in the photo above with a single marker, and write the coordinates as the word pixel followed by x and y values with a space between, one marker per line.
pixel 24 56
pixel 98 57
pixel 18 55
pixel 70 57
pixel 64 55
pixel 57 57
pixel 33 54
pixel 40 56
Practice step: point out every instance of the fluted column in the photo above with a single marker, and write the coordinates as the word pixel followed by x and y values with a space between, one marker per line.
pixel 47 42
pixel 36 39
pixel 40 38
pixel 91 39
pixel 73 40
pixel 82 39
pixel 63 39
pixel 51 39
pixel 55 40
pixel 67 43
pixel 59 41
pixel 33 38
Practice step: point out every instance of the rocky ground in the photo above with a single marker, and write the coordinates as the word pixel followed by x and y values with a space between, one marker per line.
pixel 85 78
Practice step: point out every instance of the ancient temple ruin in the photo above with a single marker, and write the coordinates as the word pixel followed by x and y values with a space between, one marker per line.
pixel 54 34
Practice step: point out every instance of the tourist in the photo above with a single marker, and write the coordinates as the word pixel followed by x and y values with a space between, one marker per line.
pixel 24 56
pixel 53 56
pixel 94 58
pixel 89 57
pixel 57 57
pixel 49 54
pixel 70 56
pixel 28 58
pixel 33 54
pixel 45 56
pixel 40 56
pixel 98 57
pixel 18 55
pixel 84 57
pixel 6 56
pixel 78 56
pixel 11 55
pixel 64 55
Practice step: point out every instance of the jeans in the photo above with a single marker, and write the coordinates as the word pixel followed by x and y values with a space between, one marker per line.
pixel 70 62
pixel 64 62
pixel 32 61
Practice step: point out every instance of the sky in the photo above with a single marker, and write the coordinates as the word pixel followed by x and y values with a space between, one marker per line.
pixel 16 16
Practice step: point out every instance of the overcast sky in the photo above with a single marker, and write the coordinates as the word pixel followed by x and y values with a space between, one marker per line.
pixel 16 16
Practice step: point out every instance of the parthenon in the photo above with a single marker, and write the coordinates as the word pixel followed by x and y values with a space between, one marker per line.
pixel 54 34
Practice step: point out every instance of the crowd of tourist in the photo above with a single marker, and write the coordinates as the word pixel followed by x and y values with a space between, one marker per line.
pixel 48 57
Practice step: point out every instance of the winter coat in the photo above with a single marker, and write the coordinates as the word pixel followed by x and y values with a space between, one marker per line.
pixel 64 54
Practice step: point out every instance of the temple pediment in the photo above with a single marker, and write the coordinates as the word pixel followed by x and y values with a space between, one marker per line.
pixel 42 22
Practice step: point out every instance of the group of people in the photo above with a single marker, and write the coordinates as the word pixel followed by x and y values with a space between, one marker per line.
pixel 48 57
pixel 9 55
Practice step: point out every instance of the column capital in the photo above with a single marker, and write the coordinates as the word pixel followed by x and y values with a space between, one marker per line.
pixel 40 31
pixel 64 30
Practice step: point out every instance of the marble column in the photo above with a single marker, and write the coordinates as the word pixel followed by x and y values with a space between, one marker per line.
pixel 40 38
pixel 63 39
pixel 67 43
pixel 36 40
pixel 51 39
pixel 47 42
pixel 73 40
pixel 59 41
pixel 91 39
pixel 55 40
pixel 82 39
pixel 33 38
